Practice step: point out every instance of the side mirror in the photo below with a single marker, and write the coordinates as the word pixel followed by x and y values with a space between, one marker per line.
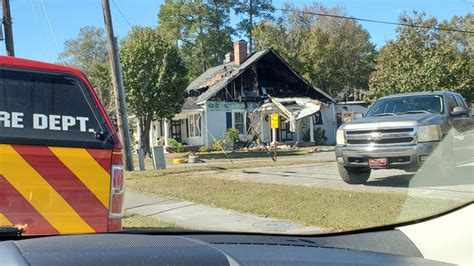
pixel 458 111
pixel 357 116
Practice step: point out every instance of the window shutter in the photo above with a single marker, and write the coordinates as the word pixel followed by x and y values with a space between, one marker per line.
pixel 228 117
pixel 187 128
pixel 247 120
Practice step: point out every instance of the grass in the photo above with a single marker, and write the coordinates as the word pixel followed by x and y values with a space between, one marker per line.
pixel 334 210
pixel 132 221
pixel 218 156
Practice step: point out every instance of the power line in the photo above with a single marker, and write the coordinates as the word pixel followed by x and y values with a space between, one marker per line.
pixel 376 21
pixel 38 27
pixel 122 14
pixel 52 32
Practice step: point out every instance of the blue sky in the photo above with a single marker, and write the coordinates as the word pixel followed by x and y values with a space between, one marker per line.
pixel 33 38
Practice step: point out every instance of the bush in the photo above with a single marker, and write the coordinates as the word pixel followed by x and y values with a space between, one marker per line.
pixel 204 149
pixel 180 147
pixel 173 142
pixel 232 134
pixel 319 136
pixel 219 145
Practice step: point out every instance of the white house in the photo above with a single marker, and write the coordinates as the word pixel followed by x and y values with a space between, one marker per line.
pixel 241 93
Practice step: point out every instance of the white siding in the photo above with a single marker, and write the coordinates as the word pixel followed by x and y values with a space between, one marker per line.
pixel 329 123
pixel 352 108
pixel 216 123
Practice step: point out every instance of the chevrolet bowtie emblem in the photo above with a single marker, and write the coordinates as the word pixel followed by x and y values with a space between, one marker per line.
pixel 376 136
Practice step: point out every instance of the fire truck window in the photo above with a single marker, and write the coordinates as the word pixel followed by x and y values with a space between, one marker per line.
pixel 46 108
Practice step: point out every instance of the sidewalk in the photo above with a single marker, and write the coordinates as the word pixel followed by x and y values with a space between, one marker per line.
pixel 201 217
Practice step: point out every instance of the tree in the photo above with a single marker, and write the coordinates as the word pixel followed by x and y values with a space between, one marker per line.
pixel 251 11
pixel 88 52
pixel 331 53
pixel 425 59
pixel 154 76
pixel 200 28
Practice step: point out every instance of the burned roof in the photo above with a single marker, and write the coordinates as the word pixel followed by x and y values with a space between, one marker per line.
pixel 216 78
pixel 206 78
pixel 190 105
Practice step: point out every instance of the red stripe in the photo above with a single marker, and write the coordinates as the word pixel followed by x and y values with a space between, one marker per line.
pixel 81 199
pixel 20 212
pixel 103 157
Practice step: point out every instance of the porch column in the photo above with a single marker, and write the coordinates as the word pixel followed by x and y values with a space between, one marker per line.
pixel 311 131
pixel 152 134
pixel 138 135
pixel 167 132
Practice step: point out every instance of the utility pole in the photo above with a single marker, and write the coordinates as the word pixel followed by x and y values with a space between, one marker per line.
pixel 251 26
pixel 7 23
pixel 117 82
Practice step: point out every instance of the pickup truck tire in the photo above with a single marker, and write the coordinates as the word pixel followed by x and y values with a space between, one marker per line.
pixel 354 175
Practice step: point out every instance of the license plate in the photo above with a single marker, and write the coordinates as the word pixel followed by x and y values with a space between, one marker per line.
pixel 378 162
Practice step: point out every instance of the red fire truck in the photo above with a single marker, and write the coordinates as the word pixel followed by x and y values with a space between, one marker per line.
pixel 61 168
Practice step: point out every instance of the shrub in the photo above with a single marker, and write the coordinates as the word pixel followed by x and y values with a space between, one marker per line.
pixel 232 134
pixel 204 149
pixel 180 147
pixel 219 144
pixel 319 136
pixel 173 142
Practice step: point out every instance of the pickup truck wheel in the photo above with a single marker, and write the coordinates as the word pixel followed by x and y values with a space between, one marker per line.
pixel 354 175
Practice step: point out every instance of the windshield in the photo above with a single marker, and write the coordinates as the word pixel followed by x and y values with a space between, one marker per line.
pixel 424 104
pixel 233 116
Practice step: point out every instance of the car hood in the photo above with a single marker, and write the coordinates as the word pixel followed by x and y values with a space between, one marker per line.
pixel 409 120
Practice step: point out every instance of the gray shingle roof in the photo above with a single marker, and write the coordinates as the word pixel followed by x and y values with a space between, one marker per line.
pixel 210 74
pixel 190 105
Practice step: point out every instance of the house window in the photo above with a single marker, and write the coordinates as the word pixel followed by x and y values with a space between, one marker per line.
pixel 239 122
pixel 317 118
pixel 194 125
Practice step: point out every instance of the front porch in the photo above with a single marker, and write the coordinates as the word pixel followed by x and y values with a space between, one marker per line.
pixel 185 128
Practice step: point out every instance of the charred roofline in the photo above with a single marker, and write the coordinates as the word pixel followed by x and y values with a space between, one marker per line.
pixel 265 52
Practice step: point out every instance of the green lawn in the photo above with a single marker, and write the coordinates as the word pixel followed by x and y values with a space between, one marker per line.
pixel 329 209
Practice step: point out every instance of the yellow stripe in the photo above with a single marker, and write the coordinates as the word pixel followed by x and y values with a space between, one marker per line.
pixel 87 169
pixel 4 221
pixel 39 193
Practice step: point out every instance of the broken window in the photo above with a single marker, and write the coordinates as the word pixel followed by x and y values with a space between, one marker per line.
pixel 317 118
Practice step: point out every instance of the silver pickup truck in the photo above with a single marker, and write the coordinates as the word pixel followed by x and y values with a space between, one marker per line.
pixel 402 131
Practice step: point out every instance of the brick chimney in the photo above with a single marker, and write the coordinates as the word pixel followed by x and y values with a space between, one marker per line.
pixel 229 57
pixel 240 52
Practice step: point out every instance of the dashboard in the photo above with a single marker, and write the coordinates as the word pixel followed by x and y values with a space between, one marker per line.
pixel 389 247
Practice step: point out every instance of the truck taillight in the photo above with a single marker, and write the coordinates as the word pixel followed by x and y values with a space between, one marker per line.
pixel 117 178
pixel 116 192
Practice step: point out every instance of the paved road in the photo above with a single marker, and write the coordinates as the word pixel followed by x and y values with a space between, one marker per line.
pixel 425 183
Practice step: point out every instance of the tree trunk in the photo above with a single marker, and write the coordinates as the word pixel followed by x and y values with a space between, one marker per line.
pixel 145 124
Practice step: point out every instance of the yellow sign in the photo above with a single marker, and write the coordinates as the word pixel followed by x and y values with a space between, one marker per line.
pixel 274 120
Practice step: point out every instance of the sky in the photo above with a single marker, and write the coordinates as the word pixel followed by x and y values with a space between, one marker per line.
pixel 37 39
